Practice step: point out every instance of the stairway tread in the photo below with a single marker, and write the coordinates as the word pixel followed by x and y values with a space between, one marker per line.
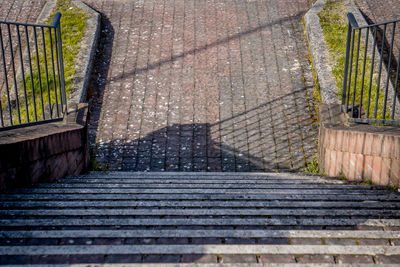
pixel 197 221
pixel 198 249
pixel 119 213
pixel 343 234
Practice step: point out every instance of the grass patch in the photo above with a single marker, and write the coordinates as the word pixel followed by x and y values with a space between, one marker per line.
pixel 311 167
pixel 73 25
pixel 334 24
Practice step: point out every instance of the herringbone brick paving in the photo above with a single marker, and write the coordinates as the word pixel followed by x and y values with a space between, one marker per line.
pixel 202 86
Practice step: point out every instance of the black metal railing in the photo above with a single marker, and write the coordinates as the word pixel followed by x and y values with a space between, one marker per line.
pixel 32 85
pixel 371 72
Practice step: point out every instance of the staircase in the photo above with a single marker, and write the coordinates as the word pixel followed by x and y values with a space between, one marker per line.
pixel 126 217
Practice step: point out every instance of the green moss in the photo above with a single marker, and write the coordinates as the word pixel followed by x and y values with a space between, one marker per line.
pixel 367 182
pixel 95 166
pixel 334 24
pixel 73 25
pixel 342 177
pixel 393 188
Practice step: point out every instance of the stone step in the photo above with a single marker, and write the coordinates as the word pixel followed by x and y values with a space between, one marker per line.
pixel 243 191
pixel 200 221
pixel 200 249
pixel 209 175
pixel 210 186
pixel 173 209
pixel 200 204
pixel 216 265
pixel 202 212
pixel 343 234
pixel 200 181
pixel 166 196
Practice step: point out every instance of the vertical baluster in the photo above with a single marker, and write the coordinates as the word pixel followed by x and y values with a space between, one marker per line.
pixel 1 114
pixel 380 72
pixel 388 70
pixel 372 71
pixel 14 73
pixel 23 73
pixel 39 74
pixel 356 72
pixel 351 67
pixel 1 104
pixel 28 47
pixel 64 95
pixel 5 74
pixel 395 86
pixel 54 72
pixel 47 72
pixel 58 68
pixel 346 64
pixel 363 71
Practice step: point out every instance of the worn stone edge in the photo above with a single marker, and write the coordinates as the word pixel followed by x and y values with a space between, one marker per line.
pixel 85 59
pixel 319 54
pixel 214 265
pixel 46 11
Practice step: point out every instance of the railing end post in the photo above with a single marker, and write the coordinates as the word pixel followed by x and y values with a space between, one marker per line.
pixel 56 19
pixel 352 20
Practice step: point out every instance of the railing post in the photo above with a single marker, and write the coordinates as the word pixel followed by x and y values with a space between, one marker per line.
pixel 61 61
pixel 346 65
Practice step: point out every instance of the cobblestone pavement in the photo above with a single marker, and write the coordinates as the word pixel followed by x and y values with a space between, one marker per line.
pixel 213 85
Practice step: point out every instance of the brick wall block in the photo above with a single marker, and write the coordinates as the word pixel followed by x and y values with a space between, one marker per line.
pixel 339 141
pixel 376 145
pixel 367 167
pixel 367 149
pixel 359 141
pixel 395 172
pixel 360 155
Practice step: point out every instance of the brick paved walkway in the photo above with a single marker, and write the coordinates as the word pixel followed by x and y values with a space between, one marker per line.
pixel 381 11
pixel 16 11
pixel 20 10
pixel 212 85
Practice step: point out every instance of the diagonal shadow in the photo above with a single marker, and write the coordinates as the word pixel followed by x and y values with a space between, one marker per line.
pixel 205 47
pixel 238 143
pixel 98 80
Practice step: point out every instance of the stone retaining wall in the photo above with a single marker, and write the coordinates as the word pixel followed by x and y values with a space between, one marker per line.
pixel 359 152
pixel 44 152
pixel 50 151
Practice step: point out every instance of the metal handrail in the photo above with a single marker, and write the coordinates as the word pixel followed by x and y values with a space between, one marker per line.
pixel 364 85
pixel 32 83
